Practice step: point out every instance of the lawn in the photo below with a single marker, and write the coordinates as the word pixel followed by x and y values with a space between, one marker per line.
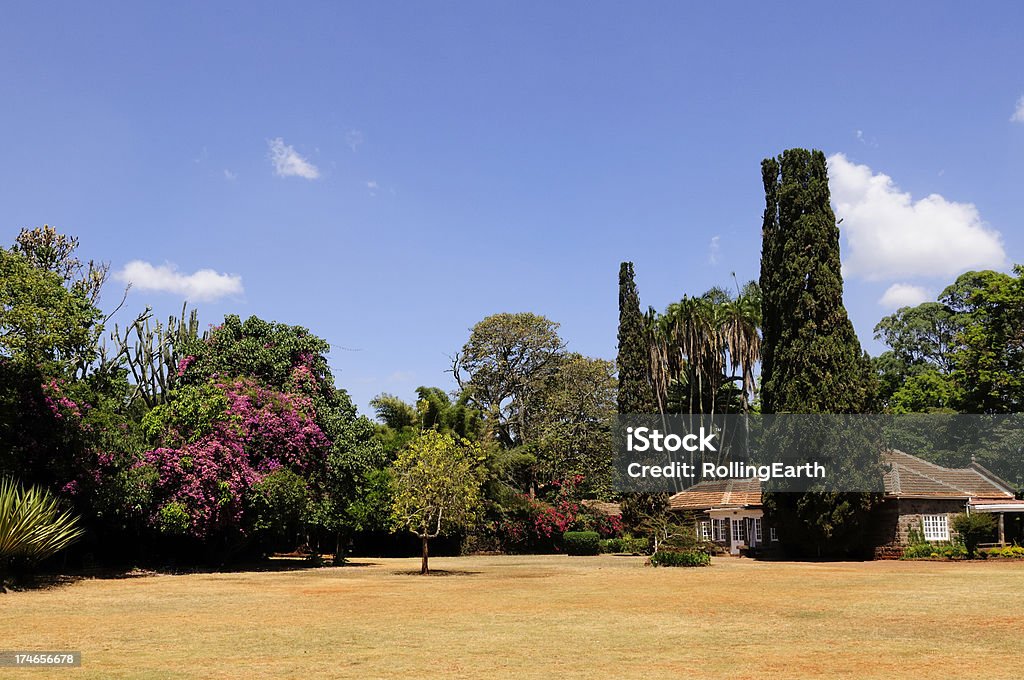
pixel 536 616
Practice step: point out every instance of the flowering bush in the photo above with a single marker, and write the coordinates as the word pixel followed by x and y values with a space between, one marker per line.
pixel 538 526
pixel 219 441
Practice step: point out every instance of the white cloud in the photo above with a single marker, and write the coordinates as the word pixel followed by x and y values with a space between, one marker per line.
pixel 713 249
pixel 202 285
pixel 354 138
pixel 891 236
pixel 903 295
pixel 1018 115
pixel 230 176
pixel 288 163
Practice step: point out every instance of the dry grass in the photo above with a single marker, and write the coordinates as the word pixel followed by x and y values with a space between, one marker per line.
pixel 545 616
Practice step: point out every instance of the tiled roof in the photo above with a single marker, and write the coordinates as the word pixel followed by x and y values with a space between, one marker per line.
pixel 908 477
pixel 603 507
pixel 911 477
pixel 718 493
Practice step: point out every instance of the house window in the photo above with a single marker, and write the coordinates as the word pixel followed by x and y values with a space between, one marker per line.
pixel 757 530
pixel 704 530
pixel 773 533
pixel 739 530
pixel 718 530
pixel 936 527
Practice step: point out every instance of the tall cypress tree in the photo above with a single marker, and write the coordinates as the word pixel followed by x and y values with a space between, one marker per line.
pixel 635 396
pixel 811 358
pixel 635 393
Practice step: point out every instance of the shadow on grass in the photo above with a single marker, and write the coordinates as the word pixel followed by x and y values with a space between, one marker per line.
pixel 436 572
pixel 50 581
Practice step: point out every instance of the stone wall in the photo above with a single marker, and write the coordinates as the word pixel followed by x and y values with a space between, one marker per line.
pixel 895 518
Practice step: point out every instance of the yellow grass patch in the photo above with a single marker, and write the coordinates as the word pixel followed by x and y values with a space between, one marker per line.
pixel 536 616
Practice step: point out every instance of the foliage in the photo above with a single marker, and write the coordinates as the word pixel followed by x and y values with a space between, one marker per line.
pixel 278 503
pixel 1013 552
pixel 973 528
pixel 533 525
pixel 217 443
pixel 32 526
pixel 634 388
pixel 677 558
pixel 42 323
pixel 436 486
pixel 704 351
pixel 570 433
pixel 811 359
pixel 633 546
pixel 507 357
pixel 581 542
pixel 962 352
pixel 639 508
pixel 934 551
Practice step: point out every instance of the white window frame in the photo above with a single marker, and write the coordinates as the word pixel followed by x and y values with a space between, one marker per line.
pixel 773 534
pixel 717 529
pixel 935 527
pixel 739 530
pixel 704 530
pixel 758 536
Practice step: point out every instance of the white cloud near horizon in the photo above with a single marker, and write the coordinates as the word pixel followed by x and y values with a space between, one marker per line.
pixel 714 248
pixel 288 163
pixel 1018 115
pixel 903 295
pixel 202 285
pixel 891 236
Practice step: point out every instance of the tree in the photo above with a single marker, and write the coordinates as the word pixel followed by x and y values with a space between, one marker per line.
pixel 506 357
pixel 572 429
pixel 921 335
pixel 811 358
pixel 42 323
pixel 635 394
pixel 964 352
pixel 436 487
pixel 973 529
pixel 705 350
pixel 988 362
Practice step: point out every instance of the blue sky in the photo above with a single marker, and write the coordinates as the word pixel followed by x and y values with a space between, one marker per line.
pixel 387 174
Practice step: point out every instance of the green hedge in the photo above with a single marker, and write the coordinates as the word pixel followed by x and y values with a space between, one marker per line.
pixel 581 542
pixel 633 546
pixel 673 558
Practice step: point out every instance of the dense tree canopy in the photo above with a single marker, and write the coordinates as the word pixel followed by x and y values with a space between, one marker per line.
pixel 812 360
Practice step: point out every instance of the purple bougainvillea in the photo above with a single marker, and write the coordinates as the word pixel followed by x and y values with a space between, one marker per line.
pixel 205 480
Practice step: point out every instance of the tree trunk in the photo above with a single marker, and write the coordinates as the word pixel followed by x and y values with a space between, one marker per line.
pixel 423 569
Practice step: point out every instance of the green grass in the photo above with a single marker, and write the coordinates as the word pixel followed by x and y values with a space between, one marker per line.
pixel 537 616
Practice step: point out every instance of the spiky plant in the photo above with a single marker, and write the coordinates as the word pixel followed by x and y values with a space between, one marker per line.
pixel 32 526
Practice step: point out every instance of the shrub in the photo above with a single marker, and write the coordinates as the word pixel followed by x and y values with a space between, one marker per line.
pixel 632 546
pixel 1007 552
pixel 581 542
pixel 935 551
pixel 32 526
pixel 973 529
pixel 673 558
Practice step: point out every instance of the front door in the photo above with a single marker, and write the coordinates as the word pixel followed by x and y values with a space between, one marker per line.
pixel 738 535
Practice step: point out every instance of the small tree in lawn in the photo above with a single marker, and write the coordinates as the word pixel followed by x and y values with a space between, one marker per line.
pixel 436 486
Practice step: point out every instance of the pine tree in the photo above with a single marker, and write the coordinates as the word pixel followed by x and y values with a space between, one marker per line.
pixel 811 358
pixel 635 393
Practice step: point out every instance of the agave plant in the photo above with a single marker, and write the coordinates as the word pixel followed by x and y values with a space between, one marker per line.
pixel 32 525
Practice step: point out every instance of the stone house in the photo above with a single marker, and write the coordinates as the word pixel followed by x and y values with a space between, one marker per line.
pixel 919 496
